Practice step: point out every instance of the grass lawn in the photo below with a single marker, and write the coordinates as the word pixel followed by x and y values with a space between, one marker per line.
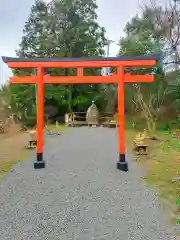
pixel 6 165
pixel 12 149
pixel 163 164
pixel 60 128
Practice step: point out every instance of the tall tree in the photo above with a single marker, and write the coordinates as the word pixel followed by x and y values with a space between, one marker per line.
pixel 167 18
pixel 63 28
pixel 143 37
pixel 80 35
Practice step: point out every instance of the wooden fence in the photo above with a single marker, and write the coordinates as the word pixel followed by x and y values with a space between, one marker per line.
pixel 79 119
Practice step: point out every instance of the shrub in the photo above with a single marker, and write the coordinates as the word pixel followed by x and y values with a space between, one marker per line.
pixel 30 121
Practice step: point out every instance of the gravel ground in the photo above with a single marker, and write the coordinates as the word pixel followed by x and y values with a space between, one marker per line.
pixel 80 195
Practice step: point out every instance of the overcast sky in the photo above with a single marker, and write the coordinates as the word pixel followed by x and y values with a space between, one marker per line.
pixel 112 14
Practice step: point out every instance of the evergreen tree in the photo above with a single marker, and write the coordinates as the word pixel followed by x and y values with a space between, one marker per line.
pixel 63 28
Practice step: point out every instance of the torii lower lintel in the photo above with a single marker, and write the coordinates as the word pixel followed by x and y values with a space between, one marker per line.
pixel 80 63
pixel 47 79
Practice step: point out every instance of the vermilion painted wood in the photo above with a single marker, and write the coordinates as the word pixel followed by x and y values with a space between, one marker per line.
pixel 24 80
pixel 87 64
pixel 121 120
pixel 40 110
pixel 82 79
pixel 80 72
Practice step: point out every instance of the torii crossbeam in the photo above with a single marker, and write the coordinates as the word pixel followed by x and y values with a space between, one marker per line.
pixel 80 63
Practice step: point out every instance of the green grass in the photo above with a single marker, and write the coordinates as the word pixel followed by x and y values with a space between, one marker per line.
pixel 6 165
pixel 60 128
pixel 178 221
pixel 163 168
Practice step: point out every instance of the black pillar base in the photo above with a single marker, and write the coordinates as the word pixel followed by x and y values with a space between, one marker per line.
pixel 122 164
pixel 39 164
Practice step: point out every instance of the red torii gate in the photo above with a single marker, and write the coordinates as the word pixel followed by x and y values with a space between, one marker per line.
pixel 80 63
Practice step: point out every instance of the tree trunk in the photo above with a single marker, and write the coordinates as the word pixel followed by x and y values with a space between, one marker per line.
pixel 148 125
pixel 151 125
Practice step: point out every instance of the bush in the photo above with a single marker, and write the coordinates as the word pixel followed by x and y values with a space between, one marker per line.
pixel 30 121
pixel 163 127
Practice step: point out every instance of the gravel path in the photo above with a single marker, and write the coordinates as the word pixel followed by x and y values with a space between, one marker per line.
pixel 80 195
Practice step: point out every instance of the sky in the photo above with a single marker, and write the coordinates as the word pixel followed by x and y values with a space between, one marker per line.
pixel 113 15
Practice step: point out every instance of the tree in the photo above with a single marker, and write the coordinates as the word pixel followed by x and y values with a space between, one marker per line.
pixel 63 28
pixel 168 20
pixel 80 35
pixel 143 38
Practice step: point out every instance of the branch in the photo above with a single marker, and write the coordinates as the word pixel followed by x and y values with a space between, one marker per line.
pixel 166 63
pixel 170 14
pixel 178 22
pixel 171 24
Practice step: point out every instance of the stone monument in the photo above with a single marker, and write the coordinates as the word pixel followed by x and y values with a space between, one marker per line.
pixel 92 115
